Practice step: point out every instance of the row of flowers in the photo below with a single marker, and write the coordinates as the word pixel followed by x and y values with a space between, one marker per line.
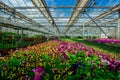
pixel 106 41
pixel 56 60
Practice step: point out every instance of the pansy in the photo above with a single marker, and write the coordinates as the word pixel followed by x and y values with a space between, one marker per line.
pixel 58 58
pixel 38 73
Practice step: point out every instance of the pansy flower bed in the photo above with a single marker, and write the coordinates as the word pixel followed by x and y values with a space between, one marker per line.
pixel 108 41
pixel 58 60
pixel 111 46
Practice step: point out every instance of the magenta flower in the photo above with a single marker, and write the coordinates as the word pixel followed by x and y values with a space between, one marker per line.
pixel 111 67
pixel 65 55
pixel 38 73
pixel 101 65
pixel 108 41
pixel 88 53
pixel 117 65
pixel 112 61
pixel 59 49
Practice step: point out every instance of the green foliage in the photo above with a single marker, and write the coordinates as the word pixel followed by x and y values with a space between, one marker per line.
pixel 74 67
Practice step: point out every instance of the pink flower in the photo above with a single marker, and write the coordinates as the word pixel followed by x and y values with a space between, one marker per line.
pixel 101 65
pixel 59 49
pixel 65 55
pixel 117 65
pixel 112 61
pixel 111 67
pixel 38 73
pixel 88 53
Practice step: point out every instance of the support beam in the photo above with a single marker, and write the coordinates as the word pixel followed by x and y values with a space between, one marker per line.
pixel 109 21
pixel 11 10
pixel 83 30
pixel 45 11
pixel 22 36
pixel 59 7
pixel 93 31
pixel 17 35
pixel 118 30
pixel 10 24
pixel 116 8
pixel 0 34
pixel 101 16
pixel 97 25
pixel 101 25
pixel 76 13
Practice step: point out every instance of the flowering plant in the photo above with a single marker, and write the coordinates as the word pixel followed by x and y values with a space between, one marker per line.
pixel 59 60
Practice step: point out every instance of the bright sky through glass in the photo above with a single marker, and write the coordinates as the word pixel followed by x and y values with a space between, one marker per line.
pixel 61 16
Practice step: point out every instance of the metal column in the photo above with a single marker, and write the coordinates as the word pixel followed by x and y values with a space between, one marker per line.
pixel 22 37
pixel 118 30
pixel 1 38
pixel 83 30
pixel 96 24
pixel 17 36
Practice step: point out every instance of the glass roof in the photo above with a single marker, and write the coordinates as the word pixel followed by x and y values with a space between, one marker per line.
pixel 61 16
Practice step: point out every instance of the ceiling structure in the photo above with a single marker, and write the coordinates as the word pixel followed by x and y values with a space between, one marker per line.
pixel 59 17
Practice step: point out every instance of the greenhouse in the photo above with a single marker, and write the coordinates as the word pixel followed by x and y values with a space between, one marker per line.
pixel 59 39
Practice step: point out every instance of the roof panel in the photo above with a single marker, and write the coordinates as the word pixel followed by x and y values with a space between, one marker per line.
pixel 61 11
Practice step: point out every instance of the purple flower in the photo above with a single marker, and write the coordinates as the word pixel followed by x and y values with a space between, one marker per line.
pixel 111 67
pixel 108 41
pixel 40 69
pixel 117 65
pixel 88 54
pixel 101 65
pixel 112 61
pixel 38 73
pixel 65 55
pixel 59 49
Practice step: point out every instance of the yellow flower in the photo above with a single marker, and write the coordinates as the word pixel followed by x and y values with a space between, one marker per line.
pixel 14 68
pixel 70 72
pixel 27 64
pixel 19 69
pixel 13 75
pixel 57 76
